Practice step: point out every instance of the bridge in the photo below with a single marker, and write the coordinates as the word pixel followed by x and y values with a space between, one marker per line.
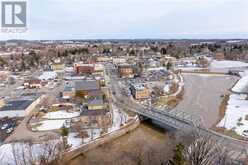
pixel 179 120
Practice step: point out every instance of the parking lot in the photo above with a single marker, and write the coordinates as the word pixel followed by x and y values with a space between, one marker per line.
pixel 7 126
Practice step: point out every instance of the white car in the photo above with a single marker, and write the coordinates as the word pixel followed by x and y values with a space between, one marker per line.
pixel 5 126
pixel 9 130
pixel 245 133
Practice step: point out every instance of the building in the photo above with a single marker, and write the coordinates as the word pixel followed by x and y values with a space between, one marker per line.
pixel 84 87
pixel 19 108
pixel 139 91
pixel 126 71
pixel 57 67
pixel 117 61
pixel 101 118
pixel 33 83
pixel 68 92
pixel 81 68
pixel 95 104
pixel 219 56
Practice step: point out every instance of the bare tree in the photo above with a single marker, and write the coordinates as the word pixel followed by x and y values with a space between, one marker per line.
pixel 206 151
pixel 29 153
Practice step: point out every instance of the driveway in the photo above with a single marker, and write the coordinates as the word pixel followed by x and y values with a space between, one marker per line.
pixel 202 95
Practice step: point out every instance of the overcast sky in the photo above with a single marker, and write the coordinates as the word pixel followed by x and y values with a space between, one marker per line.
pixel 129 19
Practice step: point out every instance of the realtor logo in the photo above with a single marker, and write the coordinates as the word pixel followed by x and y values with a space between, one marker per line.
pixel 14 14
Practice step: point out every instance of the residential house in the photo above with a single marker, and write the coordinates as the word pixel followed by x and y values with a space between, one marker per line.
pixel 33 83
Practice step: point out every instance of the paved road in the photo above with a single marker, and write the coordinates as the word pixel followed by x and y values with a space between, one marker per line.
pixel 202 95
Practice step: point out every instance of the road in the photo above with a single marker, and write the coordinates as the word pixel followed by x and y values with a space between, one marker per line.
pixel 202 95
pixel 214 88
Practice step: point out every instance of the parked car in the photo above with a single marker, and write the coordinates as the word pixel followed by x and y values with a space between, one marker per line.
pixel 5 126
pixel 9 130
pixel 245 133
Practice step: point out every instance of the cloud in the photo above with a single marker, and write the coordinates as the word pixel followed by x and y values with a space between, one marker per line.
pixel 63 19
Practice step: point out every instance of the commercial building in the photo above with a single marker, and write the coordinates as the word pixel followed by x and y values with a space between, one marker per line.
pixel 19 108
pixel 84 87
pixel 126 71
pixel 139 91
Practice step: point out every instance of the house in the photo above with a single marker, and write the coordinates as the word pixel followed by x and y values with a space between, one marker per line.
pixel 102 118
pixel 139 91
pixel 99 69
pixel 219 56
pixel 68 92
pixel 32 83
pixel 57 67
pixel 117 61
pixel 84 87
pixel 126 71
pixel 95 104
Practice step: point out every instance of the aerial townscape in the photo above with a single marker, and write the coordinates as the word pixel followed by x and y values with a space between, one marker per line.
pixel 117 101
pixel 123 82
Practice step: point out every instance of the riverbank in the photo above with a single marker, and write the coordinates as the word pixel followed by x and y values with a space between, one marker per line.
pixel 147 141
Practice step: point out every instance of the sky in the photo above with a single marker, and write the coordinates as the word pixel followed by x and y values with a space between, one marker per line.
pixel 134 19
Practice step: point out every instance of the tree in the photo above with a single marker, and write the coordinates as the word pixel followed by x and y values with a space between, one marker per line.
pixel 64 134
pixel 163 51
pixel 31 153
pixel 205 151
pixel 179 156
pixel 168 66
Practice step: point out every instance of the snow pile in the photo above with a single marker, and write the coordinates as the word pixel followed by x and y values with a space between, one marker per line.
pixel 49 125
pixel 61 115
pixel 156 69
pixel 235 114
pixel 23 153
pixel 241 86
pixel 166 88
pixel 189 68
pixel 119 119
pixel 48 75
pixel 227 64
pixel 73 141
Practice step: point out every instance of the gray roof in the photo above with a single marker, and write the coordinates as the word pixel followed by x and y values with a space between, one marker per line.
pixel 16 105
pixel 87 85
pixel 86 112
pixel 95 102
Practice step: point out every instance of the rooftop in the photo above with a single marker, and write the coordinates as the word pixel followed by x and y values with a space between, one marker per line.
pixel 87 85
pixel 16 105
pixel 138 86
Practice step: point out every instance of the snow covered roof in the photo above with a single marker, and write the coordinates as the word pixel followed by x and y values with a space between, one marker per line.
pixel 48 75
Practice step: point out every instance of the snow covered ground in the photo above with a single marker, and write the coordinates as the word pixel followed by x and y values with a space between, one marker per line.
pixel 190 68
pixel 119 119
pixel 241 86
pixel 235 115
pixel 22 153
pixel 61 115
pixel 47 125
pixel 74 141
pixel 227 64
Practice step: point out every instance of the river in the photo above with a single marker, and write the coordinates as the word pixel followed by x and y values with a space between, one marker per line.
pixel 147 141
